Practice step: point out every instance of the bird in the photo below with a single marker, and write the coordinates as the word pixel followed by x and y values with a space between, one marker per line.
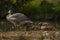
pixel 47 26
pixel 17 19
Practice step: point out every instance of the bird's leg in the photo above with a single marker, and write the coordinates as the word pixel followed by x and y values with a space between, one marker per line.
pixel 18 27
pixel 15 26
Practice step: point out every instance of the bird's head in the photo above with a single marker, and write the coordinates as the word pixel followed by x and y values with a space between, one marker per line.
pixel 10 11
pixel 8 14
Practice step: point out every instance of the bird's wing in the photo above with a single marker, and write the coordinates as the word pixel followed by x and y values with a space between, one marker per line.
pixel 19 16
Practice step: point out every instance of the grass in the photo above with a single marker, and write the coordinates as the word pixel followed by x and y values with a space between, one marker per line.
pixel 7 26
pixel 26 35
pixel 30 35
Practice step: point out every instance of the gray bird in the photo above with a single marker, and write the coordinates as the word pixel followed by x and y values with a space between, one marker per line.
pixel 17 19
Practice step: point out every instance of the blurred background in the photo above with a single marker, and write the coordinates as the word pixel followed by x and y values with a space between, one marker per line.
pixel 36 10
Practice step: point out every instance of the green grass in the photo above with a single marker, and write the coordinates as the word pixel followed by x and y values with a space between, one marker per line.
pixel 6 26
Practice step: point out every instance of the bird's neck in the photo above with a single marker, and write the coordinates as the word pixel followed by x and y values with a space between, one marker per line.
pixel 9 13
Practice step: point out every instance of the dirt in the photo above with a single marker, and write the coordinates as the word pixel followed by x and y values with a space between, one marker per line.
pixel 30 35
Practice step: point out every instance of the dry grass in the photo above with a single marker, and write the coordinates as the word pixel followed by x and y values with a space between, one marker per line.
pixel 30 35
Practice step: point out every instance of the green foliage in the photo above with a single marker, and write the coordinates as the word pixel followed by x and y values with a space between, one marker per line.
pixel 13 1
pixel 34 9
pixel 31 9
pixel 46 10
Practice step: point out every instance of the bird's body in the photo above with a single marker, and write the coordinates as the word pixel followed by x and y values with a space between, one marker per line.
pixel 17 18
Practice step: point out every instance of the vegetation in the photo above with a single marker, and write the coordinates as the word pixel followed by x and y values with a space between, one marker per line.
pixel 32 35
pixel 36 10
